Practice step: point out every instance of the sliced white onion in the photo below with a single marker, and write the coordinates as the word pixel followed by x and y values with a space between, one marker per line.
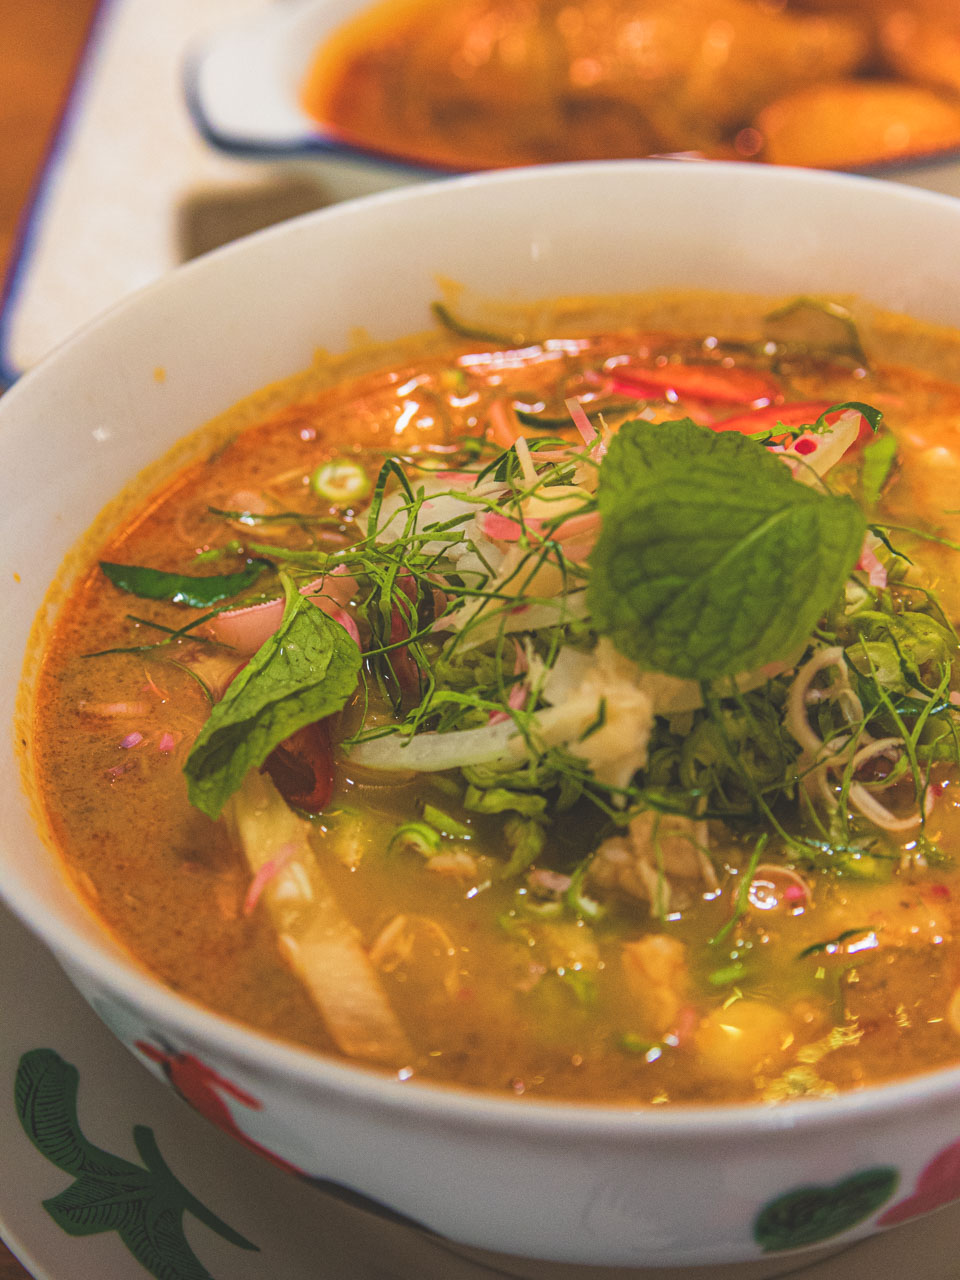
pixel 529 617
pixel 429 752
pixel 880 815
pixel 796 721
pixel 831 446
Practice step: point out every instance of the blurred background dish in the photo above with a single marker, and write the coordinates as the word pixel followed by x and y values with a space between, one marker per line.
pixel 475 84
pixel 131 188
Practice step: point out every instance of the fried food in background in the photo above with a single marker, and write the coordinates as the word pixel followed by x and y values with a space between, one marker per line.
pixel 850 123
pixel 923 43
pixel 490 83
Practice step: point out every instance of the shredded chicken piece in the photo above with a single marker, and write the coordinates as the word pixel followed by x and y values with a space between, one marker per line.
pixel 457 863
pixel 548 884
pixel 568 944
pixel 347 840
pixel 407 941
pixel 602 686
pixel 662 860
pixel 658 978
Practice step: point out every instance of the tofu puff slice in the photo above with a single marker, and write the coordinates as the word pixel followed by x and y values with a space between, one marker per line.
pixel 858 122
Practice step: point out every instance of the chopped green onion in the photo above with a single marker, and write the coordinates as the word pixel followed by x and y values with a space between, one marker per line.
pixel 729 973
pixel 341 481
pixel 579 902
pixel 444 823
pixel 743 893
pixel 537 908
pixel 446 786
pixel 418 836
pixel 582 984
pixel 502 800
pixel 630 1042
pixel 526 839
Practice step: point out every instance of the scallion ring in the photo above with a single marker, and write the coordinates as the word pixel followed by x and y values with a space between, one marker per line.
pixel 341 481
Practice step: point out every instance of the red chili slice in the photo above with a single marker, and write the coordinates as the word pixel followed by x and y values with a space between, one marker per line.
pixel 701 381
pixel 301 767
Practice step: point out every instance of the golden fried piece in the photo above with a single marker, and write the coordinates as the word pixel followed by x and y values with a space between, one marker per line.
pixel 854 123
pixel 923 46
pixel 700 68
pixel 481 83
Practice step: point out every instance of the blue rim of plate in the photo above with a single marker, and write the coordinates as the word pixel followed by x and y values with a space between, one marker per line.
pixel 309 143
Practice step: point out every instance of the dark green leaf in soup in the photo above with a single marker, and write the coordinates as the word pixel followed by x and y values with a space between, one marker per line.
pixel 879 458
pixel 815 325
pixel 182 588
pixel 712 558
pixel 307 670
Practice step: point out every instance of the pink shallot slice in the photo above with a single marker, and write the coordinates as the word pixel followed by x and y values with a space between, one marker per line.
pixel 500 528
pixel 588 431
pixel 871 565
pixel 247 628
pixel 265 874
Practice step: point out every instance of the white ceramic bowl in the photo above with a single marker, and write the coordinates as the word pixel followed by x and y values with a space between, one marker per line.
pixel 572 1183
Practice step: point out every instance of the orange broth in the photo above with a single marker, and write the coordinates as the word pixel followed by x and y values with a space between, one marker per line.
pixel 847 981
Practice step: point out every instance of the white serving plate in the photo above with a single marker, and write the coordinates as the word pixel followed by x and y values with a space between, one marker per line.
pixel 299 1231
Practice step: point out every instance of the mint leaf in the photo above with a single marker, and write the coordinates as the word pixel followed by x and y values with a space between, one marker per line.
pixel 712 559
pixel 181 588
pixel 307 670
pixel 143 1204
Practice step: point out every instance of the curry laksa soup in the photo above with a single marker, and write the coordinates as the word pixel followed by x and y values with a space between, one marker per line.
pixel 566 704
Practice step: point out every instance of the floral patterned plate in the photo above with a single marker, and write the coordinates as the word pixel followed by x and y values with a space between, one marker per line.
pixel 104 1172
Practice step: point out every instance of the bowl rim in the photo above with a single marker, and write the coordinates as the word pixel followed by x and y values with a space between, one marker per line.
pixel 372 1087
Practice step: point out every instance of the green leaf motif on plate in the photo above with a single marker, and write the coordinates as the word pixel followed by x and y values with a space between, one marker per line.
pixel 809 1215
pixel 143 1204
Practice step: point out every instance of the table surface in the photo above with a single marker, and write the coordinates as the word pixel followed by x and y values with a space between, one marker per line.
pixel 40 43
